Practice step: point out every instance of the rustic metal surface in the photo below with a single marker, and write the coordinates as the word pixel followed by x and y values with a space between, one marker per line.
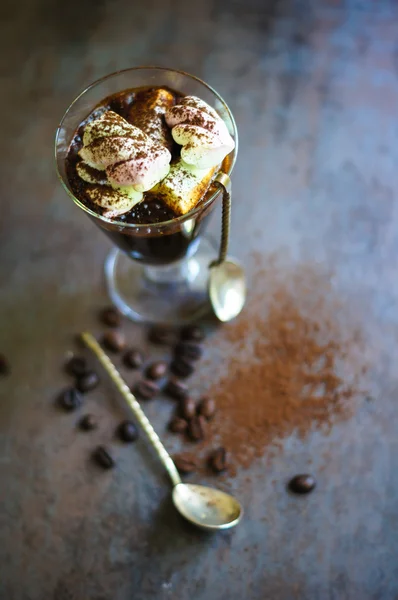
pixel 314 89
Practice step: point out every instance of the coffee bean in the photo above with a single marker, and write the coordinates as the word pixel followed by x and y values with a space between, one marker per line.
pixel 161 335
pixel 176 389
pixel 103 457
pixel 219 460
pixel 181 367
pixel 133 359
pixel 111 317
pixel 114 341
pixel 178 425
pixel 145 389
pixel 70 399
pixel 189 350
pixel 185 463
pixel 302 484
pixel 88 422
pixel 5 368
pixel 187 408
pixel 197 428
pixel 87 382
pixel 127 431
pixel 192 333
pixel 77 366
pixel 157 370
pixel 207 408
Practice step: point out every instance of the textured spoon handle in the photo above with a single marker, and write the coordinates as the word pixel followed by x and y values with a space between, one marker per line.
pixel 223 181
pixel 123 388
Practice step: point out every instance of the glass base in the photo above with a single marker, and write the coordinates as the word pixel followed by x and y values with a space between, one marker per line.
pixel 175 294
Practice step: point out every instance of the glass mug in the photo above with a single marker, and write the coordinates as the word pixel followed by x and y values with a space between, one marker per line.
pixel 157 272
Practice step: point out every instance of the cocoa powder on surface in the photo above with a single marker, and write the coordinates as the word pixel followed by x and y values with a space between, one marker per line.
pixel 293 362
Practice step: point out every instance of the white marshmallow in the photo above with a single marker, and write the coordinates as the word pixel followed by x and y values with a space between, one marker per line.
pixel 129 156
pixel 200 131
pixel 115 202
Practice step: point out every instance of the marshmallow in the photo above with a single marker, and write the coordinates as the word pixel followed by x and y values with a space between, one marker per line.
pixel 114 202
pixel 200 131
pixel 137 170
pixel 127 154
pixel 90 175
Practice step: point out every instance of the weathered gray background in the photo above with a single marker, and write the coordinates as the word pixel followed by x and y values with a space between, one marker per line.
pixel 314 88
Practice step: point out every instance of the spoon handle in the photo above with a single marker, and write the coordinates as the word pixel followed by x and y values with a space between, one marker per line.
pixel 224 182
pixel 123 388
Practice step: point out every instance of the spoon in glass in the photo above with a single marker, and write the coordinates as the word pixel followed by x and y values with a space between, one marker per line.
pixel 205 507
pixel 227 282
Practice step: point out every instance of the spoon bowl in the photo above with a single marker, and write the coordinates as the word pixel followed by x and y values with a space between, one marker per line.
pixel 227 289
pixel 205 507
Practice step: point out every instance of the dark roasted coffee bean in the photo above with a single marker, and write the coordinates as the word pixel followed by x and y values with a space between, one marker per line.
pixel 161 335
pixel 157 370
pixel 192 333
pixel 185 463
pixel 114 341
pixel 176 389
pixel 5 368
pixel 197 428
pixel 178 425
pixel 189 350
pixel 103 457
pixel 70 399
pixel 146 389
pixel 77 366
pixel 127 431
pixel 88 422
pixel 187 408
pixel 207 408
pixel 302 484
pixel 219 460
pixel 87 382
pixel 111 317
pixel 133 359
pixel 181 367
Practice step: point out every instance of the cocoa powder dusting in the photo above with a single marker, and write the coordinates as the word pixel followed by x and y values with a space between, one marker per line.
pixel 294 363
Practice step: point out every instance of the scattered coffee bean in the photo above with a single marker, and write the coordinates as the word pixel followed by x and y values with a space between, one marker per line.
pixel 187 408
pixel 219 460
pixel 302 484
pixel 88 422
pixel 77 366
pixel 181 367
pixel 178 425
pixel 146 389
pixel 189 350
pixel 114 341
pixel 161 335
pixel 103 457
pixel 207 408
pixel 185 463
pixel 197 428
pixel 176 389
pixel 5 368
pixel 127 431
pixel 87 382
pixel 192 333
pixel 157 370
pixel 111 317
pixel 133 359
pixel 70 399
